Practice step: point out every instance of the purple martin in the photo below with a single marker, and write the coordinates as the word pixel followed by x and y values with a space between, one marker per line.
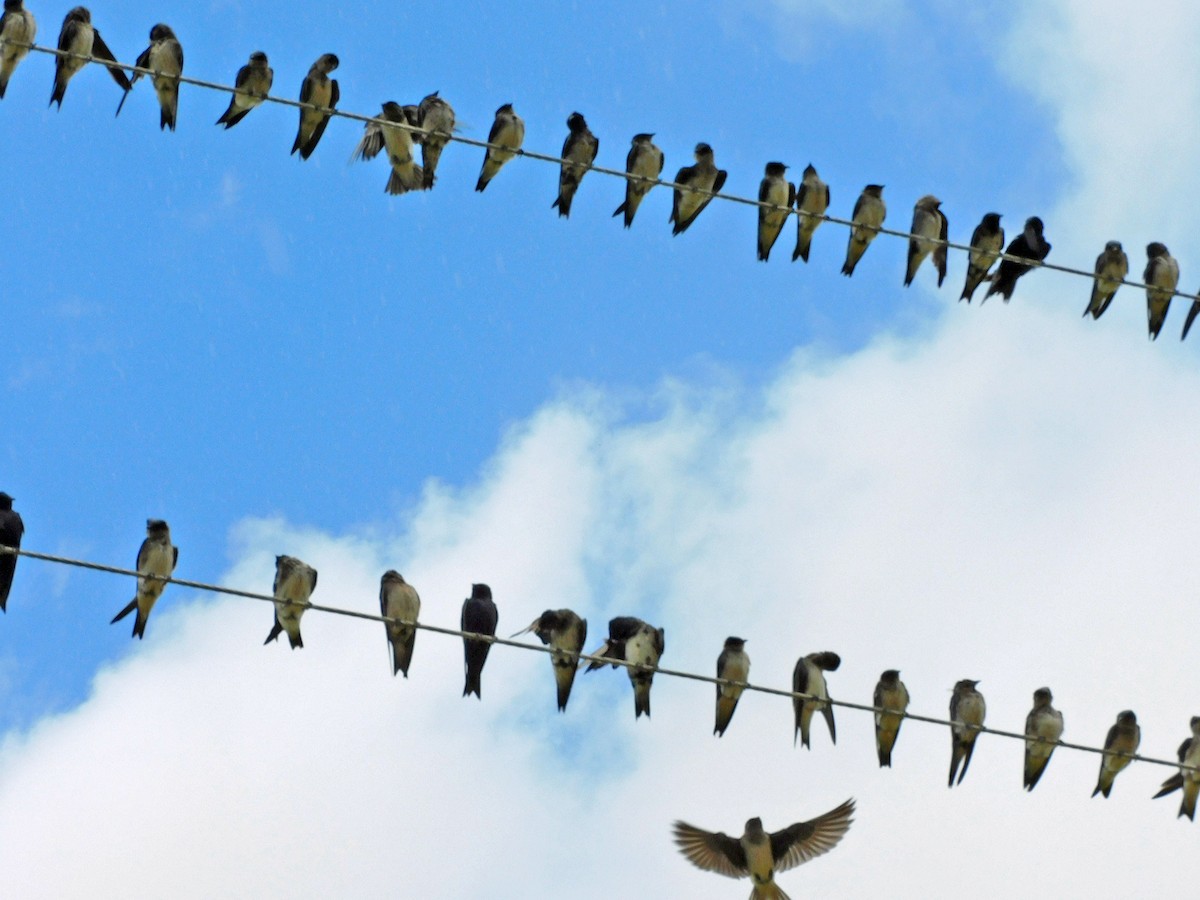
pixel 890 694
pixel 808 678
pixel 80 39
pixel 11 530
pixel 294 583
pixel 578 153
pixel 156 557
pixel 778 191
pixel 322 92
pixel 699 182
pixel 930 231
pixel 399 600
pixel 164 58
pixel 17 27
pixel 565 633
pixel 644 164
pixel 1119 745
pixel 812 197
pixel 986 241
pixel 508 134
pixel 966 709
pixel 251 86
pixel 406 173
pixel 1111 268
pixel 758 854
pixel 869 213
pixel 1187 780
pixel 633 641
pixel 1029 244
pixel 1161 277
pixel 479 616
pixel 1043 728
pixel 436 116
pixel 733 665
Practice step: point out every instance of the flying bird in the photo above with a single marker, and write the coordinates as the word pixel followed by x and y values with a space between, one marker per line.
pixel 399 600
pixel 890 694
pixel 436 116
pixel 1186 780
pixel 156 559
pixel 508 133
pixel 294 583
pixel 644 165
pixel 1111 268
pixel 1043 729
pixel 17 28
pixel 869 213
pixel 321 91
pixel 164 58
pixel 1162 278
pixel 930 232
pixel 698 183
pixel 578 153
pixel 733 665
pixel 1120 744
pixel 986 241
pixel 759 854
pixel 966 709
pixel 407 174
pixel 633 641
pixel 251 86
pixel 1029 244
pixel 812 197
pixel 479 616
pixel 80 39
pixel 11 529
pixel 779 192
pixel 809 678
pixel 565 633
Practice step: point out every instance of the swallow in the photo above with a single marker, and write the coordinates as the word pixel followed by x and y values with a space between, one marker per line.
pixel 929 234
pixel 436 116
pixel 11 530
pixel 1029 244
pixel 164 58
pixel 697 183
pixel 732 665
pixel 479 616
pixel 808 678
pixel 156 559
pixel 18 27
pixel 507 136
pixel 1161 277
pixel 322 92
pixel 890 694
pixel 294 583
pixel 399 600
pixel 779 192
pixel 251 86
pixel 639 644
pixel 1120 744
pixel 986 241
pixel 812 197
pixel 80 39
pixel 759 854
pixel 869 213
pixel 1043 728
pixel 1187 780
pixel 578 153
pixel 644 165
pixel 966 709
pixel 566 633
pixel 406 175
pixel 1111 268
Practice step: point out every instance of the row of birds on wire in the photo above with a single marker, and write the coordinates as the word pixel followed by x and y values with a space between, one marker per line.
pixel 639 646
pixel 430 125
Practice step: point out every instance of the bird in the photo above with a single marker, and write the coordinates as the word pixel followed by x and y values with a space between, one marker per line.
pixel 930 231
pixel 1111 268
pixel 698 183
pixel 967 708
pixel 322 92
pixel 759 854
pixel 869 213
pixel 644 165
pixel 890 694
pixel 578 153
pixel 80 39
pixel 565 633
pixel 11 530
pixel 812 197
pixel 18 27
pixel 407 174
pixel 808 678
pixel 164 58
pixel 779 192
pixel 1187 781
pixel 1029 244
pixel 641 645
pixel 508 134
pixel 399 600
pixel 436 116
pixel 732 665
pixel 1119 745
pixel 479 616
pixel 986 241
pixel 294 583
pixel 1161 277
pixel 156 560
pixel 1043 728
pixel 251 86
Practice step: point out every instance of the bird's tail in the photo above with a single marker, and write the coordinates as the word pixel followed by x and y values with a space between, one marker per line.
pixel 641 697
pixel 431 152
pixel 486 174
pixel 296 641
pixel 130 607
pixel 276 630
pixel 1170 786
pixel 803 245
pixel 1187 806
pixel 564 677
pixel 402 649
pixel 770 891
pixel 412 179
pixel 1104 785
pixel 566 193
pixel 1187 326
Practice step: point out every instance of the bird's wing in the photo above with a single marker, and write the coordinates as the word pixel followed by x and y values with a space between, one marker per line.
pixel 713 852
pixel 801 842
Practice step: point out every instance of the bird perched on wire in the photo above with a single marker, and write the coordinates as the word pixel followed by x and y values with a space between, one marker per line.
pixel 565 633
pixel 479 616
pixel 1030 244
pixel 18 28
pixel 986 241
pixel 808 677
pixel 156 560
pixel 812 200
pixel 1043 729
pixel 323 92
pixel 164 58
pixel 1186 780
pixel 930 231
pixel 1162 278
pixel 698 183
pixel 407 174
pixel 436 116
pixel 890 695
pixel 967 709
pixel 11 530
pixel 1120 745
pixel 399 600
pixel 868 216
pixel 732 665
pixel 633 641
pixel 1111 268
pixel 643 164
pixel 508 134
pixel 295 581
pixel 781 194
pixel 79 39
pixel 578 153
pixel 251 86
